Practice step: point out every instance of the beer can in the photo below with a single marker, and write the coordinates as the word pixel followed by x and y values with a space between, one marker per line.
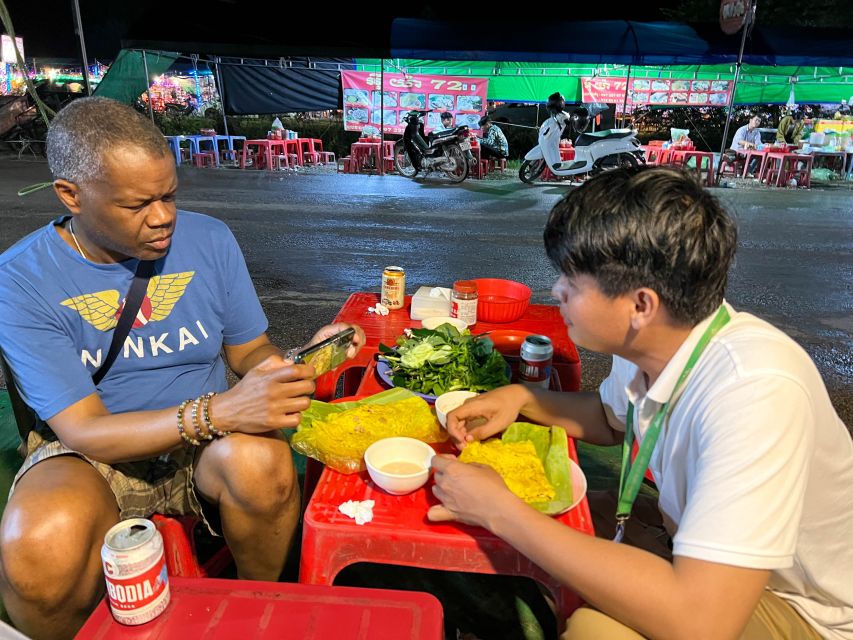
pixel 135 571
pixel 393 287
pixel 537 355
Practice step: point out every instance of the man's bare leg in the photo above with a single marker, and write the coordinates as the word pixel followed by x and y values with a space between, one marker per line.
pixel 50 541
pixel 252 480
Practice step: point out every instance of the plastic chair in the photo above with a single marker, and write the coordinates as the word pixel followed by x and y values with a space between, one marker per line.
pixel 180 548
pixel 204 159
pixel 497 164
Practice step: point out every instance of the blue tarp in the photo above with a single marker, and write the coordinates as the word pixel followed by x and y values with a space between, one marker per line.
pixel 618 42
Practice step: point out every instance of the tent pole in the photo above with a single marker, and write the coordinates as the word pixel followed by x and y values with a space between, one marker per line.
pixel 382 116
pixel 148 87
pixel 221 93
pixel 750 16
pixel 625 99
pixel 78 27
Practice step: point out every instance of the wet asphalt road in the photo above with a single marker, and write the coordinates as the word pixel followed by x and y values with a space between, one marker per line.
pixel 311 239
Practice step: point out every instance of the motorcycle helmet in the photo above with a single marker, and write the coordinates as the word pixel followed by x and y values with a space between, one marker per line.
pixel 556 103
pixel 580 119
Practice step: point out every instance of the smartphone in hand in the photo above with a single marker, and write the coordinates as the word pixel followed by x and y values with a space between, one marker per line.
pixel 328 354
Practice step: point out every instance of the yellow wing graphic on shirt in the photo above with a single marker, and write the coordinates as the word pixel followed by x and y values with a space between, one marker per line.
pixel 98 309
pixel 164 291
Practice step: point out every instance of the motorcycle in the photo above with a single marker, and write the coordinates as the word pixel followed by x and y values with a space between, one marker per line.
pixel 445 151
pixel 594 152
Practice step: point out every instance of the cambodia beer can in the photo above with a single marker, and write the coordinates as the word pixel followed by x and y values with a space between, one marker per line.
pixel 135 571
pixel 537 354
pixel 393 287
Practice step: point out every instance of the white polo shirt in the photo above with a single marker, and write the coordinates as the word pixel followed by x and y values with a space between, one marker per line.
pixel 754 466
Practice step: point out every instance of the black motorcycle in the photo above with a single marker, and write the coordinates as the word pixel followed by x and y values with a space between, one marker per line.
pixel 444 151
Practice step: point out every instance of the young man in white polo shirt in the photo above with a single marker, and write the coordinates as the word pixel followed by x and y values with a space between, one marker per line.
pixel 753 465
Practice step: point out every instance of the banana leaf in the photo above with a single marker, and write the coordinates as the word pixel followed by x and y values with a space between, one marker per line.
pixel 552 447
pixel 340 443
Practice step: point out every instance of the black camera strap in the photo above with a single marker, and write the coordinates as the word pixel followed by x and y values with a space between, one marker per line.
pixel 132 303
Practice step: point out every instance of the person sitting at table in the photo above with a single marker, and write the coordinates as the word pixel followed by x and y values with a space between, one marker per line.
pixel 446 121
pixel 748 137
pixel 493 143
pixel 162 432
pixel 752 463
pixel 791 128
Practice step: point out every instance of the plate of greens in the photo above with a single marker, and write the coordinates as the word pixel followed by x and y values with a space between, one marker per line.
pixel 430 362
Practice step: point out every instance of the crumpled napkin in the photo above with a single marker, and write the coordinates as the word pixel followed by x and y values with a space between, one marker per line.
pixel 379 309
pixel 362 511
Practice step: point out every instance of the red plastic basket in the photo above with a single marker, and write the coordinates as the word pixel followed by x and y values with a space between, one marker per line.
pixel 501 300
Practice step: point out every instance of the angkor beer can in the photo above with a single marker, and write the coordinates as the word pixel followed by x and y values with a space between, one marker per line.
pixel 393 287
pixel 537 354
pixel 135 570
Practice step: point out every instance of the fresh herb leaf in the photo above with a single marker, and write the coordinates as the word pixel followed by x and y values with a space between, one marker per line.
pixel 435 361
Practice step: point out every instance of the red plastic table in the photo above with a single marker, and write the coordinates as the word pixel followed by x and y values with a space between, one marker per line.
pixel 400 534
pixel 265 147
pixel 538 318
pixel 226 609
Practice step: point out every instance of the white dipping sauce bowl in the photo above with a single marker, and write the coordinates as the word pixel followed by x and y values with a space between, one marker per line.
pixel 447 402
pixel 396 450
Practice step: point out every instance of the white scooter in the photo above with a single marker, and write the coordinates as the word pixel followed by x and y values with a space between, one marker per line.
pixel 594 152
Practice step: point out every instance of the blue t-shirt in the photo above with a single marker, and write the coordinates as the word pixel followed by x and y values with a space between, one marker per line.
pixel 58 312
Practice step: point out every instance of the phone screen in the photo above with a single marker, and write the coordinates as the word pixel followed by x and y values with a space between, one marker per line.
pixel 328 354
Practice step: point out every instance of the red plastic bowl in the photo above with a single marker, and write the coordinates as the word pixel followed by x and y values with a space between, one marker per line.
pixel 501 300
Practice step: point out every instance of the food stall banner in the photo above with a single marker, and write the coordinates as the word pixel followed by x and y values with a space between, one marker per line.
pixel 660 91
pixel 464 97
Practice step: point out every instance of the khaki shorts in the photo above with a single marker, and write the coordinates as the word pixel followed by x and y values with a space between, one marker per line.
pixel 157 485
pixel 773 619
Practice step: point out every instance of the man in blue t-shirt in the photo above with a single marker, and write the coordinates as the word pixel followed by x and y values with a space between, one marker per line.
pixel 150 436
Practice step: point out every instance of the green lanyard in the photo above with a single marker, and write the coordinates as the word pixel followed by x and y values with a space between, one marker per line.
pixel 631 476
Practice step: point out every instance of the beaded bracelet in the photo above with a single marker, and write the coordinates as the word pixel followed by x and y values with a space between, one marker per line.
pixel 205 410
pixel 184 436
pixel 197 422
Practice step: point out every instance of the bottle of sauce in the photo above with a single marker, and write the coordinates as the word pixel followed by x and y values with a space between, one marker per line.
pixel 463 301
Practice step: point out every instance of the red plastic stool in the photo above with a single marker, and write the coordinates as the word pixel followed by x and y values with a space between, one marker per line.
pixel 225 609
pixel 484 168
pixel 204 159
pixel 498 164
pixel 179 547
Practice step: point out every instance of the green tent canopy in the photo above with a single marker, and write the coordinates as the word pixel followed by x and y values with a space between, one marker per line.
pixel 126 80
pixel 534 81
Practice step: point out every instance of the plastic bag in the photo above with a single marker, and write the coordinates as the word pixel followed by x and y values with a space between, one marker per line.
pixel 338 434
pixel 276 124
pixel 677 134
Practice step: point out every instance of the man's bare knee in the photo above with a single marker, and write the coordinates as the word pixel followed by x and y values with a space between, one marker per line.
pixel 257 472
pixel 50 536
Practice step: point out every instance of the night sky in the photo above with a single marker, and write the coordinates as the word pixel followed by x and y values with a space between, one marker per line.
pixel 48 29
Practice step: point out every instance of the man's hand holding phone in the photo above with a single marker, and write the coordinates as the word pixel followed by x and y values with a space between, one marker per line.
pixel 331 346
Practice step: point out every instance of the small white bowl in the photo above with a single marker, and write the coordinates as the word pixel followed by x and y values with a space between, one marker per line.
pixel 447 402
pixel 383 455
pixel 437 321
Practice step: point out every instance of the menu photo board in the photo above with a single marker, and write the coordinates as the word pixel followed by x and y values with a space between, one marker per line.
pixel 658 91
pixel 7 49
pixel 365 104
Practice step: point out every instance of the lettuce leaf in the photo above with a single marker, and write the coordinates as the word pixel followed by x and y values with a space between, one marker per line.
pixel 435 361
